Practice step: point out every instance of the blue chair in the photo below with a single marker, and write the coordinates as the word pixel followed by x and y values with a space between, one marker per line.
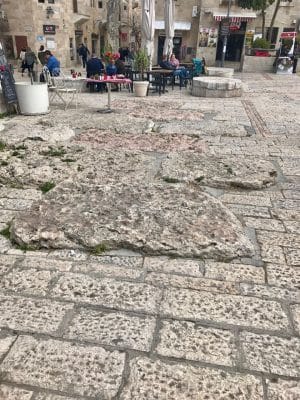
pixel 198 67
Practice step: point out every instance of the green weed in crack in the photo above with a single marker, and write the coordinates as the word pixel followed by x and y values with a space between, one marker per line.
pixel 47 186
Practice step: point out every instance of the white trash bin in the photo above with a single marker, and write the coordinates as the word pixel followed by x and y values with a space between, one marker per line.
pixel 33 99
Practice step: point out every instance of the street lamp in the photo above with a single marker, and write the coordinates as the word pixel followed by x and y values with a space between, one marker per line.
pixel 226 33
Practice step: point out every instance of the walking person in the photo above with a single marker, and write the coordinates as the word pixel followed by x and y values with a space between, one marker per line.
pixel 296 55
pixel 22 59
pixel 83 52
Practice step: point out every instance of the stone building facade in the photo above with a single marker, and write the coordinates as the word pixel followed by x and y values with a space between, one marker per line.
pixel 61 25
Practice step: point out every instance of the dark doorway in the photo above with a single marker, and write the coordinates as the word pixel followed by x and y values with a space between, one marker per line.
pixel 176 47
pixel 21 42
pixel 235 44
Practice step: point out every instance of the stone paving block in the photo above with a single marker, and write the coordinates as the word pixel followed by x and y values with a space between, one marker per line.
pixel 225 309
pixel 271 354
pixel 269 292
pixel 292 256
pixel 13 393
pixel 24 314
pixel 29 281
pixel 234 272
pixel 287 204
pixel 296 316
pixel 67 367
pixel 167 265
pixel 189 282
pixel 283 390
pixel 270 253
pixel 250 211
pixel 156 380
pixel 9 260
pixel 197 343
pixel 5 342
pixel 282 214
pixel 108 293
pixel 45 263
pixel 108 270
pixel 47 396
pixel 7 215
pixel 245 199
pixel 71 255
pixel 264 223
pixel 278 238
pixel 120 261
pixel 26 194
pixel 292 226
pixel 291 194
pixel 5 244
pixel 15 204
pixel 283 276
pixel 115 329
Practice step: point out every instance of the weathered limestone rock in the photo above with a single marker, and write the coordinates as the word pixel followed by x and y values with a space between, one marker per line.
pixel 221 172
pixel 151 218
pixel 216 87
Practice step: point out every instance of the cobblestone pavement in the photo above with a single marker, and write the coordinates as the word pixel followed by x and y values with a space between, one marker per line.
pixel 77 324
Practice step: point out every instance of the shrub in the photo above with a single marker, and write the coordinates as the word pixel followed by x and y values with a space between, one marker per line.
pixel 261 43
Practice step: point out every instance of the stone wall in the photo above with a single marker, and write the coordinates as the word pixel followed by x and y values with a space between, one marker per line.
pixel 258 64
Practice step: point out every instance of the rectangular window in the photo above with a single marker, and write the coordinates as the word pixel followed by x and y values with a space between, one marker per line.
pixel 75 6
pixel 100 4
pixel 41 1
pixel 51 1
pixel 273 39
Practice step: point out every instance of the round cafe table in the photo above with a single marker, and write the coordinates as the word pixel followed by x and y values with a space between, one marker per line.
pixel 108 81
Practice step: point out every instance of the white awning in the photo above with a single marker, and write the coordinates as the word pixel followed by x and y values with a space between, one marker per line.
pixel 80 18
pixel 235 17
pixel 178 25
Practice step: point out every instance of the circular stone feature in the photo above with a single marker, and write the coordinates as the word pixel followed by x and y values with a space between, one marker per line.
pixel 221 72
pixel 208 86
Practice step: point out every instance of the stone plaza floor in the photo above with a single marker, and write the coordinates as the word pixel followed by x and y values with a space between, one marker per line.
pixel 154 252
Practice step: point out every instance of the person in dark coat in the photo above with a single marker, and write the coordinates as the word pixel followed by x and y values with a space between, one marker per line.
pixel 94 67
pixel 83 52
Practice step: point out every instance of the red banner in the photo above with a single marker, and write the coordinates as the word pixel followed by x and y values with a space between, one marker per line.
pixel 288 35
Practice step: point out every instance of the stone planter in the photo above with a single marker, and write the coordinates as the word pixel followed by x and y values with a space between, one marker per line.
pixel 33 99
pixel 140 88
pixel 216 87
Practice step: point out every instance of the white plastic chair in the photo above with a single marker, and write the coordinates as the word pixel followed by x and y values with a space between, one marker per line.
pixel 61 88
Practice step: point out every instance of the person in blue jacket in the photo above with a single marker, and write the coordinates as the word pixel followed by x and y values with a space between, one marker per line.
pixel 52 63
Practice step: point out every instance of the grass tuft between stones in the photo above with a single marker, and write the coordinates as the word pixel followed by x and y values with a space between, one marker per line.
pixel 98 249
pixel 2 146
pixel 170 180
pixel 47 186
pixel 52 152
pixel 5 232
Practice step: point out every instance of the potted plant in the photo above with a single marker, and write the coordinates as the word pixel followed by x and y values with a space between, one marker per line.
pixel 260 47
pixel 141 63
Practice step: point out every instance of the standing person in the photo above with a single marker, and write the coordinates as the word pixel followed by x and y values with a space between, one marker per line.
pixel 22 59
pixel 52 63
pixel 83 52
pixel 41 55
pixel 296 55
pixel 29 61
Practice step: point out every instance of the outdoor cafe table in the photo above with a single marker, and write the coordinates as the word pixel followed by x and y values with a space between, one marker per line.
pixel 108 82
pixel 162 74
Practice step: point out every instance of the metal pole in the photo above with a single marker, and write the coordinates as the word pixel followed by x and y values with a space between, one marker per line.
pixel 226 36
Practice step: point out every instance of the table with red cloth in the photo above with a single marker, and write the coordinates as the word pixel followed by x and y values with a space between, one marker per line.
pixel 108 81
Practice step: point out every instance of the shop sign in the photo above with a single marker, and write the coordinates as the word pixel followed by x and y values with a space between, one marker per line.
pixel 288 35
pixel 78 32
pixel 225 26
pixel 49 29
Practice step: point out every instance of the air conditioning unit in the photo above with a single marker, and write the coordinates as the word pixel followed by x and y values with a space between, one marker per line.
pixel 195 11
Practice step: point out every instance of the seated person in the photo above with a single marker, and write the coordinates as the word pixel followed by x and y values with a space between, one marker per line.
pixel 52 63
pixel 174 61
pixel 94 67
pixel 177 71
pixel 120 67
